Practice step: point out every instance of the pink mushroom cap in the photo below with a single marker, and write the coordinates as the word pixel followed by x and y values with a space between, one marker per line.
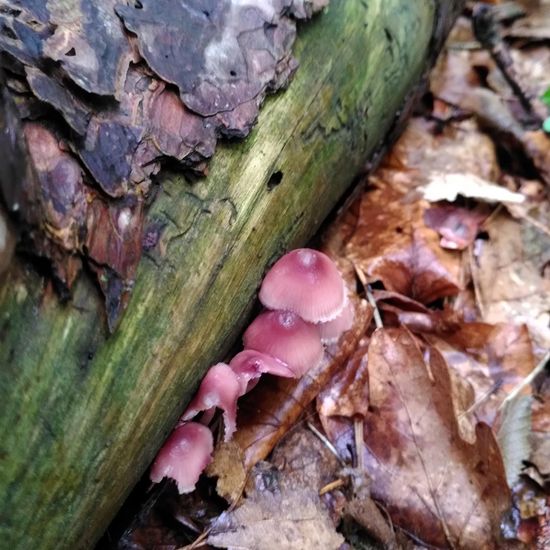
pixel 306 282
pixel 250 364
pixel 219 388
pixel 286 336
pixel 184 456
pixel 332 330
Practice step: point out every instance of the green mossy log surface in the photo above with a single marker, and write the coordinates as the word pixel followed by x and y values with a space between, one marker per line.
pixel 83 414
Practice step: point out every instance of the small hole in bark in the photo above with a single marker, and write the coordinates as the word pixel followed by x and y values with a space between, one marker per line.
pixel 71 53
pixel 138 5
pixel 399 229
pixel 232 73
pixel 274 179
pixel 206 13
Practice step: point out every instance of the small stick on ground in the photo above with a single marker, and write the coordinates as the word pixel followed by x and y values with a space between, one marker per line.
pixel 527 380
pixel 370 298
pixel 326 442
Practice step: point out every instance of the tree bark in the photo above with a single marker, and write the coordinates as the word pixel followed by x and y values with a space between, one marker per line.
pixel 83 413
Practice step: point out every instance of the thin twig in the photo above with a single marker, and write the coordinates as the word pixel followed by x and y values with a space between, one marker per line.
pixel 336 484
pixel 326 441
pixel 370 298
pixel 358 429
pixel 198 542
pixel 481 400
pixel 527 380
pixel 376 313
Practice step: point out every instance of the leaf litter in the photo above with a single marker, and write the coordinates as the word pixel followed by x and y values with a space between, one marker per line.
pixel 425 426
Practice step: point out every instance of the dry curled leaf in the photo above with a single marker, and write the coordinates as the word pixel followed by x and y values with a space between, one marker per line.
pixel 392 244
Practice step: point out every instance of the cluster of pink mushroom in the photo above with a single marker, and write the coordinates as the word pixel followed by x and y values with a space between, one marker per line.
pixel 306 308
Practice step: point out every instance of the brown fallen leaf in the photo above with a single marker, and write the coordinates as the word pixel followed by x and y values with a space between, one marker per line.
pixel 424 149
pixel 436 486
pixel 522 144
pixel 392 244
pixel 509 276
pixel 457 70
pixel 284 520
pixel 303 460
pixel 492 358
pixel 537 147
pixel 347 393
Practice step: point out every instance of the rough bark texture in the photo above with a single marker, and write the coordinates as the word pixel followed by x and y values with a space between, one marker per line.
pixel 107 92
pixel 82 414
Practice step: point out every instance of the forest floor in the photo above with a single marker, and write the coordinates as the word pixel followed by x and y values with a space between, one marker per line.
pixel 429 426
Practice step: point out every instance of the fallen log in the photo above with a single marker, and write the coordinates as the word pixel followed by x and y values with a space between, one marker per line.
pixel 82 412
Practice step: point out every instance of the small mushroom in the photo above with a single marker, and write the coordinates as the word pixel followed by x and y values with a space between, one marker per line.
pixel 332 330
pixel 219 388
pixel 306 282
pixel 286 336
pixel 184 455
pixel 250 364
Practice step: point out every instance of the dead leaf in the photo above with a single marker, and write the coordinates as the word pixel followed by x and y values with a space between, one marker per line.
pixel 229 469
pixel 493 359
pixel 424 149
pixel 285 520
pixel 537 147
pixel 303 460
pixel 434 484
pixel 510 278
pixel 347 392
pixel 535 26
pixel 392 244
pixel 540 436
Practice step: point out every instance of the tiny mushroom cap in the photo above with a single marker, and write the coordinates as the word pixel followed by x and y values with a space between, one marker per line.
pixel 219 388
pixel 286 336
pixel 184 456
pixel 250 364
pixel 306 282
pixel 332 330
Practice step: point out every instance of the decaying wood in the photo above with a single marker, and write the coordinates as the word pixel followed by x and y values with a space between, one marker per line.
pixel 83 413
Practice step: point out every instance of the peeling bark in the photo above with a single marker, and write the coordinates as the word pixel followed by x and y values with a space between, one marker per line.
pixel 136 83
